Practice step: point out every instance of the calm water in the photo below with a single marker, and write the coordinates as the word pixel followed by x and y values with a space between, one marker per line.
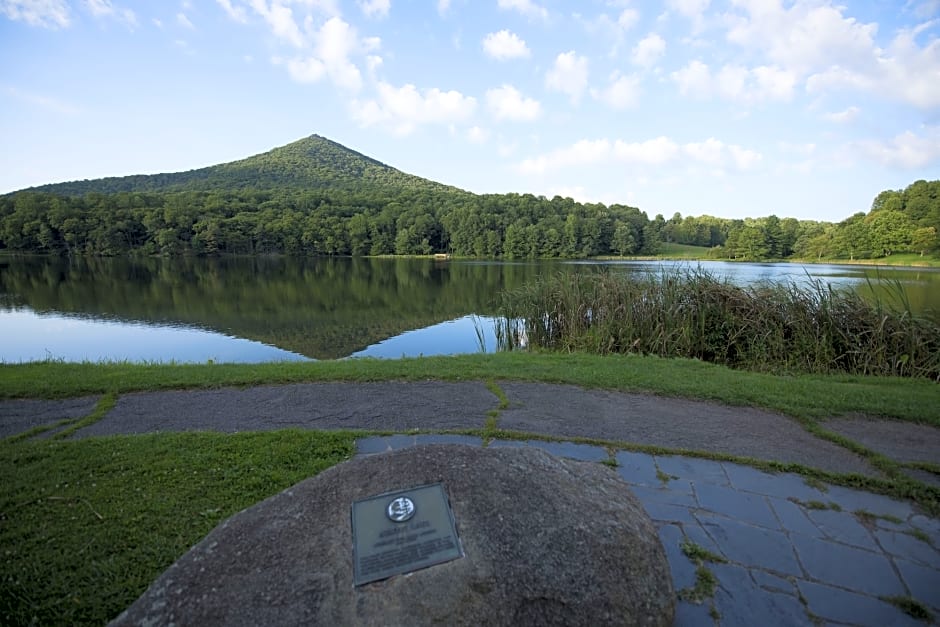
pixel 274 309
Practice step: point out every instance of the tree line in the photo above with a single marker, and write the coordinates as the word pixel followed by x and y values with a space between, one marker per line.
pixel 422 221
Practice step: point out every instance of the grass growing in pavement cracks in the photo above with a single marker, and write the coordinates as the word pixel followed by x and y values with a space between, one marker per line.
pixel 87 525
pixel 911 607
pixel 807 397
pixel 705 580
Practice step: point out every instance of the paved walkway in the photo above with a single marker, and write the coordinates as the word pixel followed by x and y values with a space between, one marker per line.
pixel 839 550
pixel 794 554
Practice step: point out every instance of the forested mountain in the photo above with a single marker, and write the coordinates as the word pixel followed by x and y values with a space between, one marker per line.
pixel 316 197
pixel 312 163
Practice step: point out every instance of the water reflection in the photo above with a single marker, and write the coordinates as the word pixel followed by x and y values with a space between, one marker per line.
pixel 28 336
pixel 258 309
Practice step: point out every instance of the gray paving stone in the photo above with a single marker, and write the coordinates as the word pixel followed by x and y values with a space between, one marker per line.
pixel 908 547
pixel 930 526
pixel 846 566
pixel 772 582
pixel 842 527
pixel 664 495
pixel 583 452
pixel 637 468
pixel 695 533
pixel 781 485
pixel 923 582
pixel 698 471
pixel 890 525
pixel 742 603
pixel 742 506
pixel 683 486
pixel 852 500
pixel 692 615
pixel 752 546
pixel 443 438
pixel 793 518
pixel 849 607
pixel 665 512
pixel 683 570
pixel 21 415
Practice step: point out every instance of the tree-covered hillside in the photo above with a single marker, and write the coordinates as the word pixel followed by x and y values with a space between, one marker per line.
pixel 316 197
pixel 312 163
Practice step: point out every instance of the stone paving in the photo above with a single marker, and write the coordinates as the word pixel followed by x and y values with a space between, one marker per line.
pixel 788 553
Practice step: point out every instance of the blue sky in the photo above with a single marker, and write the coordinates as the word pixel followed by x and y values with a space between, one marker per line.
pixel 742 108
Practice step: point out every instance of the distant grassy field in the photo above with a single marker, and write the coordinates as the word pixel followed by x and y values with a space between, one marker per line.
pixel 683 251
pixel 900 259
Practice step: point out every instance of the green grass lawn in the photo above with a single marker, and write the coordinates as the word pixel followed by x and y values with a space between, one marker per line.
pixel 803 396
pixel 86 526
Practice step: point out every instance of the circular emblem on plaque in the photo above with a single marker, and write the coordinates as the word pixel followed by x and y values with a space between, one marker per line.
pixel 400 509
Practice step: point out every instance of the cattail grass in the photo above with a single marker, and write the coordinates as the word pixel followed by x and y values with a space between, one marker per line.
pixel 772 327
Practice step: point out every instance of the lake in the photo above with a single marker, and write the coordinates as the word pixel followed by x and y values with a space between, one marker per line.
pixel 260 309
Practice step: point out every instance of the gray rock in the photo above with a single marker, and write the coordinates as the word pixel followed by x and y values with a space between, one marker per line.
pixel 546 541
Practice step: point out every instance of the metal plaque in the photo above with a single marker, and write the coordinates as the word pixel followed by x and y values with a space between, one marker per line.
pixel 403 531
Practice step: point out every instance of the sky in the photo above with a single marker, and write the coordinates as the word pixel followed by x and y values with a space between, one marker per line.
pixel 740 108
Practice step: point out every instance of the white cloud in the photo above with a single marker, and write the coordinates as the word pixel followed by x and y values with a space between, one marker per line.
pixel 907 150
pixel 104 8
pixel 99 8
pixel 569 75
pixel 648 51
pixel 843 117
pixel 334 42
pixel 628 18
pixel 654 152
pixel 508 103
pixel 183 21
pixel 735 83
pixel 688 8
pixel 613 30
pixel 405 108
pixel 375 8
pixel 709 152
pixel 52 14
pixel 477 135
pixel 694 10
pixel 525 7
pixel 832 51
pixel 443 6
pixel 804 36
pixel 236 13
pixel 373 62
pixel 281 21
pixel 694 79
pixel 583 152
pixel 309 70
pixel 622 92
pixel 504 45
pixel 743 158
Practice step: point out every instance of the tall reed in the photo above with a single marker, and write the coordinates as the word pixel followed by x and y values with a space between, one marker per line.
pixel 691 313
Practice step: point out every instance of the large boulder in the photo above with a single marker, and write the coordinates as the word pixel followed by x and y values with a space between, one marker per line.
pixel 545 541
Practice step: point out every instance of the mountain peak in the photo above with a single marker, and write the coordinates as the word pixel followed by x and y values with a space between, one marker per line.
pixel 313 162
